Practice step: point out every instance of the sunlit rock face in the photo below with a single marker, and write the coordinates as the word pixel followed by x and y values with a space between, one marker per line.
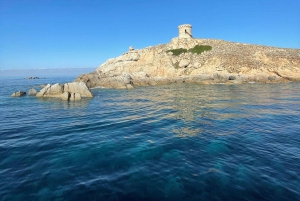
pixel 157 65
pixel 68 91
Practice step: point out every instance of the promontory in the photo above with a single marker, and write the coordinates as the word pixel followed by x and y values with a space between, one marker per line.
pixel 196 60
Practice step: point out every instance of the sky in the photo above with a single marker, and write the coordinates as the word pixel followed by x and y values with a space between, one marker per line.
pixel 51 34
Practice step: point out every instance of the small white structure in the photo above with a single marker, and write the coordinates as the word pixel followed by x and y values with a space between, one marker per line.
pixel 131 48
pixel 185 31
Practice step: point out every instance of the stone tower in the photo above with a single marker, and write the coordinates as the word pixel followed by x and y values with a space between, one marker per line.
pixel 185 31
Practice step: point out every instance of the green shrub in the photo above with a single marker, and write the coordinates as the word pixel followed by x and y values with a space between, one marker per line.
pixel 177 52
pixel 198 49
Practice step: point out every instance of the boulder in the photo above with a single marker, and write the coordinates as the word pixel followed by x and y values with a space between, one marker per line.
pixel 128 56
pixel 196 65
pixel 78 87
pixel 55 90
pixel 184 63
pixel 18 94
pixel 32 92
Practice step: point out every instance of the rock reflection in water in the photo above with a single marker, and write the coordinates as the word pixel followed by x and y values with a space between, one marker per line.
pixel 56 103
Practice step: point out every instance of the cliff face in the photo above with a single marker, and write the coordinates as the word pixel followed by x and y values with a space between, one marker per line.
pixel 225 62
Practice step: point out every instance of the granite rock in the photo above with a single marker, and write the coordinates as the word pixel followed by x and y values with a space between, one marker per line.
pixel 67 91
pixel 32 92
pixel 18 94
pixel 79 88
pixel 55 90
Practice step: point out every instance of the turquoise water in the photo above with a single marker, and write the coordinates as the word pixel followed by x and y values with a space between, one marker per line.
pixel 170 142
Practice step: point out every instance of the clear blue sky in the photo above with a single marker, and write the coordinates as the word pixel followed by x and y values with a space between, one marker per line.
pixel 84 33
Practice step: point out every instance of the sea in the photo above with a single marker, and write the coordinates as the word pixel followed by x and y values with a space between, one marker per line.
pixel 167 142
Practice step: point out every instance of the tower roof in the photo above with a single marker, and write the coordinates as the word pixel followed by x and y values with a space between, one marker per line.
pixel 184 25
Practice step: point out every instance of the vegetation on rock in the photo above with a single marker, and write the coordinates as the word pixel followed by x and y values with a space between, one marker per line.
pixel 177 52
pixel 198 49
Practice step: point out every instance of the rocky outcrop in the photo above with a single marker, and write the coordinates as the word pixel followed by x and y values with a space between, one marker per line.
pixel 69 91
pixel 19 94
pixel 32 92
pixel 226 62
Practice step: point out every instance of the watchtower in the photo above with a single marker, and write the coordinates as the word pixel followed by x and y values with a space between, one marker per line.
pixel 185 31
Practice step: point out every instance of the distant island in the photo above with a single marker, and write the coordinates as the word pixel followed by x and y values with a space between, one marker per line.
pixel 33 78
pixel 195 60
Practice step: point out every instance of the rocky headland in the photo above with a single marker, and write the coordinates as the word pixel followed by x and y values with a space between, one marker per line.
pixel 224 62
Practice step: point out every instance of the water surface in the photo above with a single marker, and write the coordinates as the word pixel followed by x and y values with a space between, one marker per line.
pixel 169 142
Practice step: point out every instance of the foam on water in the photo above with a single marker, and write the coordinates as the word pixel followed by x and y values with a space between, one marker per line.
pixel 170 142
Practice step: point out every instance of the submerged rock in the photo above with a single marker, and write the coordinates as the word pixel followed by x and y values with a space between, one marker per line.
pixel 18 94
